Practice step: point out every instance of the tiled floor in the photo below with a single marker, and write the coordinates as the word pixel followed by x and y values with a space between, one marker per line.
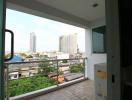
pixel 80 91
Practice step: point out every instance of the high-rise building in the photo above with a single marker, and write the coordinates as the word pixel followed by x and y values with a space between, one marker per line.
pixel 68 43
pixel 32 42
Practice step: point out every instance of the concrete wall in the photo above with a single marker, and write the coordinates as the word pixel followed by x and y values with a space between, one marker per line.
pixel 36 8
pixel 93 58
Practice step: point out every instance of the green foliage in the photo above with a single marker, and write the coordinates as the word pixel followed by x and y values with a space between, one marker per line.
pixel 25 85
pixel 44 57
pixel 29 56
pixel 60 72
pixel 7 56
pixel 23 55
pixel 46 68
pixel 76 68
pixel 64 61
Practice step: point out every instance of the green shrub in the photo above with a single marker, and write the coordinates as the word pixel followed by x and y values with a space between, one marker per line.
pixel 76 68
pixel 60 72
pixel 64 61
pixel 25 85
pixel 46 68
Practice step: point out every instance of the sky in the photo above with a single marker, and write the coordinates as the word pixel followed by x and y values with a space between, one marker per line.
pixel 47 32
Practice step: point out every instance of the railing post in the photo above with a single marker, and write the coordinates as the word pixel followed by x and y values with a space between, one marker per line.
pixel 6 77
pixel 57 73
pixel 84 66
pixel 7 82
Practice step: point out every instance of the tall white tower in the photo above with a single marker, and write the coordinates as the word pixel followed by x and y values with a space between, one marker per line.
pixel 68 43
pixel 32 42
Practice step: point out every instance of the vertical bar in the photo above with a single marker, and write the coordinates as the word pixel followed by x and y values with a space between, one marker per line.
pixel 7 82
pixel 84 66
pixel 57 72
pixel 6 87
pixel 2 46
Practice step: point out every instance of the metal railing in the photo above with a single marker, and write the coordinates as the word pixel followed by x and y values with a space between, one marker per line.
pixel 28 76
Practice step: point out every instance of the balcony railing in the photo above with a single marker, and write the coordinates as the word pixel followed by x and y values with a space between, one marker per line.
pixel 25 77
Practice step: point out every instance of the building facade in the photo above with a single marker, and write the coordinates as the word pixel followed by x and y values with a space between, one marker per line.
pixel 68 43
pixel 32 42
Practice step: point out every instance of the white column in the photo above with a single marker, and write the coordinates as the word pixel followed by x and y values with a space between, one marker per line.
pixel 88 48
pixel 92 58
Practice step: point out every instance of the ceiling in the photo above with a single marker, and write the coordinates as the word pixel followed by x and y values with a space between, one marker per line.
pixel 76 12
pixel 80 8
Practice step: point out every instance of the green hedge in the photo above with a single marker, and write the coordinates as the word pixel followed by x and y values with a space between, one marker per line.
pixel 25 85
pixel 78 68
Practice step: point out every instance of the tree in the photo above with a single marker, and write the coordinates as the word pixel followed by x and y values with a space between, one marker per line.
pixel 64 61
pixel 46 68
pixel 7 56
pixel 76 68
pixel 29 56
pixel 23 55
pixel 44 56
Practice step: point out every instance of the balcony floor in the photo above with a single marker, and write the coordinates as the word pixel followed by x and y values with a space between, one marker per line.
pixel 80 91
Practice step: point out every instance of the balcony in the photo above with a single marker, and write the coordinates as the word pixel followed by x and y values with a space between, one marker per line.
pixel 26 80
pixel 79 91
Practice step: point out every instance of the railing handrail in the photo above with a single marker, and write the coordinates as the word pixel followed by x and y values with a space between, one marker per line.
pixel 38 61
pixel 57 71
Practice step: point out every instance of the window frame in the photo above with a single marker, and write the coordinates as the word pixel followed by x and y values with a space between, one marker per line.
pixel 104 40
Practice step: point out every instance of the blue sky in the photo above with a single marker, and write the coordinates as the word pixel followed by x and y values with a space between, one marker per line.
pixel 47 32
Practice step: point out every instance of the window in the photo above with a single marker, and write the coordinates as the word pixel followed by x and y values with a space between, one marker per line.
pixel 99 39
pixel 15 76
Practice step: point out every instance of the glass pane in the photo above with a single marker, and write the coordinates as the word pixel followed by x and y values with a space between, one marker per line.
pixel 98 40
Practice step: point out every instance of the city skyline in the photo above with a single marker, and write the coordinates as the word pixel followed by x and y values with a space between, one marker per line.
pixel 47 32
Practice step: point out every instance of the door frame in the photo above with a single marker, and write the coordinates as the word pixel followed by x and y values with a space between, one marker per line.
pixel 113 50
pixel 2 46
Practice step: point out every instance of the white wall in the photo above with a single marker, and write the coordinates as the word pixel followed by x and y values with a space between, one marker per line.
pixel 93 58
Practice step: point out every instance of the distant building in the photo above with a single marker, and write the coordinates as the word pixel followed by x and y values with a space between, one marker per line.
pixel 68 43
pixel 32 42
pixel 16 58
pixel 23 70
pixel 63 56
